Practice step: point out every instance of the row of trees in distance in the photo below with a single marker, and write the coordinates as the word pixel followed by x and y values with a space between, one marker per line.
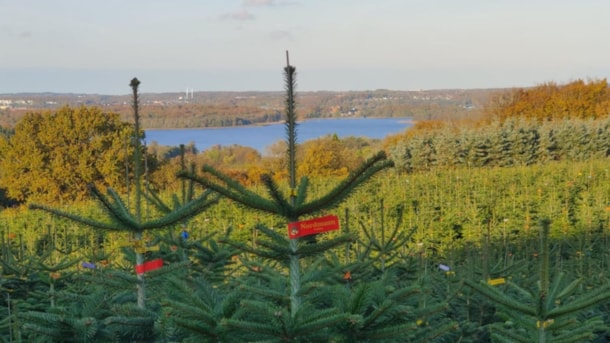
pixel 213 109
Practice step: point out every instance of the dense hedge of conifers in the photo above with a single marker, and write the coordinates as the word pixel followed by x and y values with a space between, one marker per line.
pixel 520 127
pixel 510 143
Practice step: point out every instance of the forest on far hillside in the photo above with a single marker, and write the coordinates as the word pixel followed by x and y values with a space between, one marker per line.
pixel 216 109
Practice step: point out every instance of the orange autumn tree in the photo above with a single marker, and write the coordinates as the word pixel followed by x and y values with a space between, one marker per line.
pixel 549 101
pixel 54 156
pixel 324 157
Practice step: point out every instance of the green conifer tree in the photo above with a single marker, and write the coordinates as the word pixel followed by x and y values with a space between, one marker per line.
pixel 126 320
pixel 297 290
pixel 551 311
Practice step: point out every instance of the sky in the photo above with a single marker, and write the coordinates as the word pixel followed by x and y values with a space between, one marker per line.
pixel 97 47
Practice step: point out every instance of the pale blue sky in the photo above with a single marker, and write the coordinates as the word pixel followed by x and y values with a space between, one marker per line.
pixel 95 46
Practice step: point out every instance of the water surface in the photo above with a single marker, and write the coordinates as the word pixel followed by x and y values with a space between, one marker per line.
pixel 261 136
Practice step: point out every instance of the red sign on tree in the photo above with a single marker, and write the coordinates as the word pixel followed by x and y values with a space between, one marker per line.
pixel 148 266
pixel 313 226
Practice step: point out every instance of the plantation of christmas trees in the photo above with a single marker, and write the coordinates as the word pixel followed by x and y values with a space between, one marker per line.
pixel 330 262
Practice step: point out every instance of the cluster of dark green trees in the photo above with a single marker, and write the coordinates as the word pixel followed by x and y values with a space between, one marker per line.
pixel 545 123
pixel 510 143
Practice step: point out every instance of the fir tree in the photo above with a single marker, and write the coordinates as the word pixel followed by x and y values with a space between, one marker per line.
pixel 126 320
pixel 550 312
pixel 298 290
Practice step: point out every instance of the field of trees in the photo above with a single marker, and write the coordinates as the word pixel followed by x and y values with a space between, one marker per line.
pixel 487 229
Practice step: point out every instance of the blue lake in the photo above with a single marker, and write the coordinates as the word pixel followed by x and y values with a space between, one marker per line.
pixel 260 137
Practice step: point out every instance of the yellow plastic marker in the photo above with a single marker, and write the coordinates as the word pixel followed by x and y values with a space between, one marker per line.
pixel 545 324
pixel 495 282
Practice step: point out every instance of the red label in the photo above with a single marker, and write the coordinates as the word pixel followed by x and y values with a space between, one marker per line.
pixel 313 226
pixel 148 266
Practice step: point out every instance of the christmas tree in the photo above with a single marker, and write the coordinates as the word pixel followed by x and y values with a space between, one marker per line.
pixel 122 319
pixel 290 291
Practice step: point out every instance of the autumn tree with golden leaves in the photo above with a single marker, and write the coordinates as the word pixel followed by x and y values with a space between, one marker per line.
pixel 54 156
pixel 549 101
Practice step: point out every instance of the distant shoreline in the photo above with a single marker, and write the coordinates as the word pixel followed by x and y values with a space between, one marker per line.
pixel 402 120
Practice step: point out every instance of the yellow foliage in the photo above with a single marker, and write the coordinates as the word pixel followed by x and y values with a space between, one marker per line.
pixel 550 101
pixel 324 157
pixel 54 156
